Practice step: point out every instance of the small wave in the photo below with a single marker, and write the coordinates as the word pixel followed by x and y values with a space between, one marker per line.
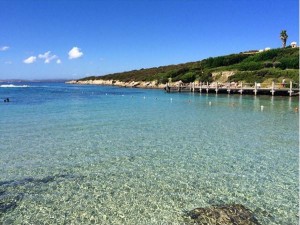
pixel 13 86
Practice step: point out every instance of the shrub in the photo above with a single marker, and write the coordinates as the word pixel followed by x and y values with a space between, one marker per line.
pixel 261 75
pixel 162 78
pixel 289 63
pixel 205 77
pixel 250 66
pixel 276 64
pixel 188 77
pixel 268 64
pixel 177 72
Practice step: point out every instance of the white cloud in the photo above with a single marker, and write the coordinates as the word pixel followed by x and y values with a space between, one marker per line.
pixel 75 53
pixel 4 48
pixel 47 57
pixel 50 58
pixel 58 61
pixel 30 60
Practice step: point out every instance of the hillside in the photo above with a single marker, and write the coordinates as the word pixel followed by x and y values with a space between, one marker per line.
pixel 249 67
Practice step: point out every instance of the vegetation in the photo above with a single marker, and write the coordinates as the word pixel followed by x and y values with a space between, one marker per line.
pixel 265 74
pixel 249 66
pixel 283 37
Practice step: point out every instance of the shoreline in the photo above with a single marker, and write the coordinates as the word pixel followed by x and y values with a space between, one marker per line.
pixel 180 87
pixel 130 84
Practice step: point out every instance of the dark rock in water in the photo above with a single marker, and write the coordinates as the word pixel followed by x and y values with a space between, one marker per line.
pixel 9 201
pixel 13 191
pixel 223 215
pixel 45 180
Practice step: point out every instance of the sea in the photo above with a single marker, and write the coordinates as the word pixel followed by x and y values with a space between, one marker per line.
pixel 84 154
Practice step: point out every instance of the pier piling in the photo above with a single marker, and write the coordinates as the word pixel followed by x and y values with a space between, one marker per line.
pixel 291 88
pixel 242 88
pixel 255 88
pixel 273 88
pixel 228 88
pixel 207 89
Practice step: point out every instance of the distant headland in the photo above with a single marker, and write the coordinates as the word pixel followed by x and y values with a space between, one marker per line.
pixel 263 67
pixel 33 81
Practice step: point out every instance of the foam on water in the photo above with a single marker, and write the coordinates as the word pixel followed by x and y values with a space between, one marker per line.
pixel 107 155
pixel 13 86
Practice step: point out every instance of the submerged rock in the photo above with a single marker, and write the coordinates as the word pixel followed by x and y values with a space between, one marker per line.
pixel 223 215
pixel 13 191
pixel 9 201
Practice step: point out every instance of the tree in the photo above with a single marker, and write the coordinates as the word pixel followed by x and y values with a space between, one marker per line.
pixel 283 37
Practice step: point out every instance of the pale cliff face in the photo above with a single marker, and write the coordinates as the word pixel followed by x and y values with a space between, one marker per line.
pixel 222 76
pixel 139 84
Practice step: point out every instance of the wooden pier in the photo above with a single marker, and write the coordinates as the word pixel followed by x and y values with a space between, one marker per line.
pixel 291 89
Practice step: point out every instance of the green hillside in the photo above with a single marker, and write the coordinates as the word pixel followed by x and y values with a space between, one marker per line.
pixel 249 67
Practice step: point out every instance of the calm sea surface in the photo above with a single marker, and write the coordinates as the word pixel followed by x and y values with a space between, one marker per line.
pixel 106 155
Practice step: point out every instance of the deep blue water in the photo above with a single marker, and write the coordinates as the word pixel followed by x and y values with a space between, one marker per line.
pixel 106 155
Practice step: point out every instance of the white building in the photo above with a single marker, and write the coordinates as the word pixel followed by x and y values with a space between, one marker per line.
pixel 294 44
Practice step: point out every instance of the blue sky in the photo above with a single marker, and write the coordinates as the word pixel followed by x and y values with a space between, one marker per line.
pixel 73 39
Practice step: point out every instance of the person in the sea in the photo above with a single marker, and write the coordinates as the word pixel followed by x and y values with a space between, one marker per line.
pixel 6 100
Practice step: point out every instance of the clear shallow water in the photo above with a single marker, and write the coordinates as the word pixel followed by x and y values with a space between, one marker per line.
pixel 105 155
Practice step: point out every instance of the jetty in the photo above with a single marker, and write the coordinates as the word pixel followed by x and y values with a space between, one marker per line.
pixel 291 89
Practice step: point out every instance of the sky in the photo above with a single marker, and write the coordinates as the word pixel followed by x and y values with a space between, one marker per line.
pixel 71 39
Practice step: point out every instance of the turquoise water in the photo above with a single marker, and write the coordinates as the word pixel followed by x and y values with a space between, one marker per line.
pixel 106 155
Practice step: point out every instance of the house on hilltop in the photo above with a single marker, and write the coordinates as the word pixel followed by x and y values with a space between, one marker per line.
pixel 294 44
